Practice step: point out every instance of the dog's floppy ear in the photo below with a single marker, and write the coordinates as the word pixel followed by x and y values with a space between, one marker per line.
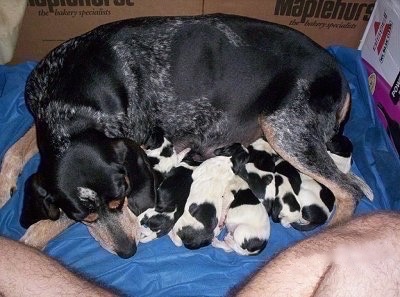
pixel 38 203
pixel 143 180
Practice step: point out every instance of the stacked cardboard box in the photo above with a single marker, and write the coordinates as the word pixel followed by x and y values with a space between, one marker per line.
pixel 47 23
pixel 380 50
pixel 327 22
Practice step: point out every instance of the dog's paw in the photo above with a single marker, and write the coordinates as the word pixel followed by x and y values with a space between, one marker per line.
pixel 146 235
pixel 40 233
pixel 8 185
pixel 34 238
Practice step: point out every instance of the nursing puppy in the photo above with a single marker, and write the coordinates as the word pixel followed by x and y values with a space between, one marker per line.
pixel 301 202
pixel 247 222
pixel 125 79
pixel 208 201
pixel 317 201
pixel 272 180
pixel 162 156
pixel 290 197
pixel 171 198
pixel 259 171
pixel 285 208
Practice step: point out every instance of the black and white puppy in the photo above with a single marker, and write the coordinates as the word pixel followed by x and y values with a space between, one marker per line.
pixel 290 197
pixel 207 204
pixel 170 199
pixel 317 201
pixel 273 181
pixel 259 171
pixel 310 204
pixel 285 208
pixel 247 222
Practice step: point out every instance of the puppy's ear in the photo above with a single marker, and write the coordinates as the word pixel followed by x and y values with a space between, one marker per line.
pixel 155 139
pixel 205 213
pixel 239 155
pixel 38 203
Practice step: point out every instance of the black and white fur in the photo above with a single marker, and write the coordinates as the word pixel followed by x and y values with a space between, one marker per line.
pixel 317 201
pixel 208 201
pixel 273 181
pixel 171 197
pixel 291 197
pixel 247 222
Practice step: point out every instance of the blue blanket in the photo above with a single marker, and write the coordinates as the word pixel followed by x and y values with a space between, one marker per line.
pixel 161 269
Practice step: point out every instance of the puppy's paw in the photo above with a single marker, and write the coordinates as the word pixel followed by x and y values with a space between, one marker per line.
pixel 285 222
pixel 146 235
pixel 220 244
pixel 175 238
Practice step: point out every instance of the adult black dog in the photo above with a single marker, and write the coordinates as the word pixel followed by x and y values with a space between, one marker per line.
pixel 206 81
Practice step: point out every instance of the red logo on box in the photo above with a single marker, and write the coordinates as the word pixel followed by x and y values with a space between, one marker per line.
pixel 382 33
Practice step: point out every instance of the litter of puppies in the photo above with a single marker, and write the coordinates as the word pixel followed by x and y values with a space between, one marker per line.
pixel 239 189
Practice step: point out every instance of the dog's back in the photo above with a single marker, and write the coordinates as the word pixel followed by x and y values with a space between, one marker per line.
pixel 156 55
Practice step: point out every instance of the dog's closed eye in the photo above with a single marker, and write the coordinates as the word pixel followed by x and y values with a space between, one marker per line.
pixel 91 218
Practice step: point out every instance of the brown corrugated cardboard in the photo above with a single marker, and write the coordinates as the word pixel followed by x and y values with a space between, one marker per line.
pixel 328 22
pixel 47 23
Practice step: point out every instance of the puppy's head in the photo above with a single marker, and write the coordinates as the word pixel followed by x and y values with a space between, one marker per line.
pixel 238 153
pixel 102 182
pixel 340 149
pixel 196 227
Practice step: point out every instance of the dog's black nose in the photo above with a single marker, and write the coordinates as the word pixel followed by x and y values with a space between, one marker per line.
pixel 127 252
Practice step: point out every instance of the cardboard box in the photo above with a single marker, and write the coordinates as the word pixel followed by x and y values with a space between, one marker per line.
pixel 328 22
pixel 380 50
pixel 47 23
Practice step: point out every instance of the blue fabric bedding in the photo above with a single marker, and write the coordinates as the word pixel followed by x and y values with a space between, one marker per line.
pixel 161 269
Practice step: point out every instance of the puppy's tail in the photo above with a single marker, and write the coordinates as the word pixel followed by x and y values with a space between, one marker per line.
pixel 347 199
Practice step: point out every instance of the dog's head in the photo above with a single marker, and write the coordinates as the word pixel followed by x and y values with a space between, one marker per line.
pixel 104 183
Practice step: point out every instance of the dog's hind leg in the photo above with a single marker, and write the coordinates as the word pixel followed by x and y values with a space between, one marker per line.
pixel 14 161
pixel 40 233
pixel 300 140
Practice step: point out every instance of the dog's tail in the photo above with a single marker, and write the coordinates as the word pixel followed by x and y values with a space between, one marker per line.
pixel 367 191
pixel 346 205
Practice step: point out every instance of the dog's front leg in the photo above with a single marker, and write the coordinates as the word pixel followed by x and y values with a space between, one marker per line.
pixel 39 234
pixel 14 161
